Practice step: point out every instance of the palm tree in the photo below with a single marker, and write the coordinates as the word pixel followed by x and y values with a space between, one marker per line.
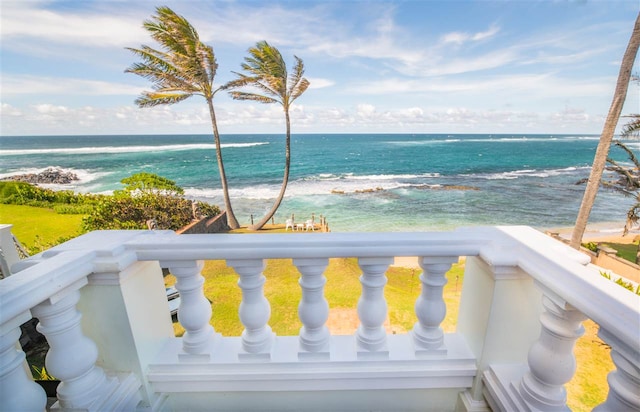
pixel 606 137
pixel 266 72
pixel 628 178
pixel 626 182
pixel 183 68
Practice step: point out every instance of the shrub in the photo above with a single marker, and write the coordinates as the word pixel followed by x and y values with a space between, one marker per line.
pixel 22 193
pixel 128 210
pixel 72 209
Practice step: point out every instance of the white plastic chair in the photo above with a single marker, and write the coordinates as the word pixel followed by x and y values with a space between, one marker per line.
pixel 310 226
pixel 289 224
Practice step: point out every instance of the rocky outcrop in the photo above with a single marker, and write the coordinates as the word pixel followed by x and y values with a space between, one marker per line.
pixel 50 175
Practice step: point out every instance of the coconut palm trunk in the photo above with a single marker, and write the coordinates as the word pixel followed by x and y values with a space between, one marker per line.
pixel 183 68
pixel 285 180
pixel 606 137
pixel 232 222
pixel 266 71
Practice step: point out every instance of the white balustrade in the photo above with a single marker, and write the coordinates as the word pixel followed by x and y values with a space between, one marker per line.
pixel 431 309
pixel 194 312
pixel 624 381
pixel 72 356
pixel 372 307
pixel 507 272
pixel 17 389
pixel 255 310
pixel 551 360
pixel 313 309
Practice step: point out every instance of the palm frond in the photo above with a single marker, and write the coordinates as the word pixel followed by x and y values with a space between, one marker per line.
pixel 252 96
pixel 300 88
pixel 151 99
pixel 633 216
pixel 630 153
pixel 182 66
pixel 632 129
pixel 297 83
pixel 265 69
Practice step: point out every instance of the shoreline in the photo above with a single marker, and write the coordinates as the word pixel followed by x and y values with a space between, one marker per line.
pixel 599 232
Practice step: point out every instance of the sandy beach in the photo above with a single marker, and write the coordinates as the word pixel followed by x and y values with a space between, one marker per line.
pixel 596 232
pixel 600 232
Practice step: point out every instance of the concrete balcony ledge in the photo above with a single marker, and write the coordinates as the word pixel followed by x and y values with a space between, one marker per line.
pixel 341 370
pixel 101 303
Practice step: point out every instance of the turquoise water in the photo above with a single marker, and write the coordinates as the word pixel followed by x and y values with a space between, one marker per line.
pixel 520 179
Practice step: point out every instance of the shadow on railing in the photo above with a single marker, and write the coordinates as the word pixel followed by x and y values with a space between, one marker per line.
pixel 524 299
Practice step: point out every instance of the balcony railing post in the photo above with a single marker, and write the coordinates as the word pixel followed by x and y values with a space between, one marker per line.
pixel 194 312
pixel 313 309
pixel 72 356
pixel 372 307
pixel 255 310
pixel 551 360
pixel 430 306
pixel 624 381
pixel 17 390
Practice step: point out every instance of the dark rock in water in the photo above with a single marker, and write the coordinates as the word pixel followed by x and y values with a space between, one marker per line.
pixel 47 176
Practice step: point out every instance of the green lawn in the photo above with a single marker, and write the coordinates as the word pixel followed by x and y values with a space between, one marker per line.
pixel 625 250
pixel 39 228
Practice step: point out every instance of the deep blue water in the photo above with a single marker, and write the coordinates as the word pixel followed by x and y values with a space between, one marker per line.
pixel 521 179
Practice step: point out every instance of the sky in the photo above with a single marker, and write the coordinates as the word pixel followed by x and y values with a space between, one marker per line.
pixel 519 67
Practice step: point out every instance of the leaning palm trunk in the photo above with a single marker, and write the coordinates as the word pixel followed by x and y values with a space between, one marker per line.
pixel 183 68
pixel 232 222
pixel 606 137
pixel 266 71
pixel 285 181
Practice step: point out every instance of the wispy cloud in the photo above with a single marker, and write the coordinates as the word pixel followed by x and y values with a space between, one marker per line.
pixel 31 20
pixel 463 37
pixel 27 84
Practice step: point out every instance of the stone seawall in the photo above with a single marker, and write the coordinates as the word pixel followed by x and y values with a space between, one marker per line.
pixel 217 224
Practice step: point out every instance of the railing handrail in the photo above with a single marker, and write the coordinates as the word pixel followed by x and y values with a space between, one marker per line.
pixel 41 281
pixel 613 308
pixel 544 261
pixel 169 246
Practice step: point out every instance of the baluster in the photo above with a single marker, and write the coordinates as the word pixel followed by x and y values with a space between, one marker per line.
pixel 313 309
pixel 255 310
pixel 194 312
pixel 372 308
pixel 551 361
pixel 72 356
pixel 624 382
pixel 17 390
pixel 430 307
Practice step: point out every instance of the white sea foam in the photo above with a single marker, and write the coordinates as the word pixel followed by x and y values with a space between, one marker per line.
pixel 516 174
pixel 126 149
pixel 324 184
pixel 514 139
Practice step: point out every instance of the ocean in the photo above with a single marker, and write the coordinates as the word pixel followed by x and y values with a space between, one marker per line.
pixel 359 182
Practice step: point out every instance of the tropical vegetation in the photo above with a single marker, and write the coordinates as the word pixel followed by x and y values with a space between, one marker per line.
pixel 265 72
pixel 145 197
pixel 184 67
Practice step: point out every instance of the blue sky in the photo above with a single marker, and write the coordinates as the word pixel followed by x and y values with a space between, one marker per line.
pixel 374 66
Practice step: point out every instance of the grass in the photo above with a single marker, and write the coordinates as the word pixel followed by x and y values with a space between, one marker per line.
pixel 39 228
pixel 587 389
pixel 342 291
pixel 626 251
